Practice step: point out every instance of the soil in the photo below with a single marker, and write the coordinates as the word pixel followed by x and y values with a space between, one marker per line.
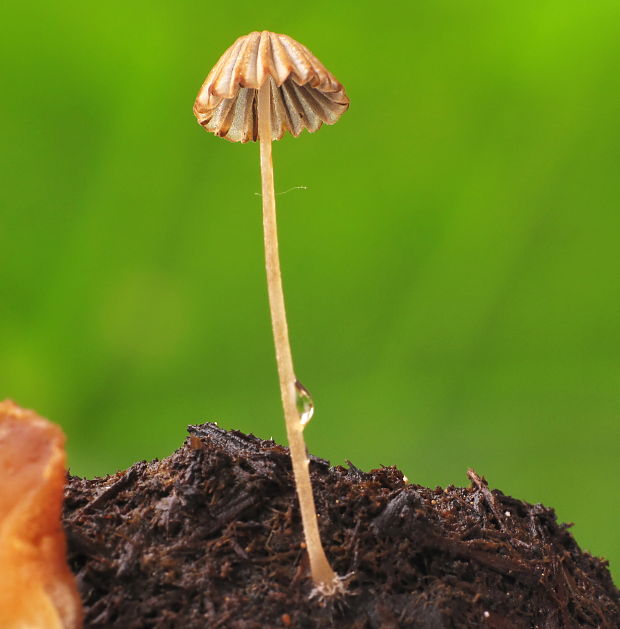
pixel 210 537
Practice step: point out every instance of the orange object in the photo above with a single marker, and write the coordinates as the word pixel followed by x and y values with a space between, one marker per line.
pixel 37 589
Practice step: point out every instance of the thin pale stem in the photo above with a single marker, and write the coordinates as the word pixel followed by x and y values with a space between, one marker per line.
pixel 324 577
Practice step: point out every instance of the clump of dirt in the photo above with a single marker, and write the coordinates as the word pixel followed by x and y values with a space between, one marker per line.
pixel 211 537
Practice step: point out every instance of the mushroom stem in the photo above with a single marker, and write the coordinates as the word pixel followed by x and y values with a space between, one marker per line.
pixel 324 578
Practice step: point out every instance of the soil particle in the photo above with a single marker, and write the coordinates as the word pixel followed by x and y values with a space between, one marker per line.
pixel 211 537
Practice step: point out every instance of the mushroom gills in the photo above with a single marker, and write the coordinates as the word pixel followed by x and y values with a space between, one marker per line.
pixel 293 108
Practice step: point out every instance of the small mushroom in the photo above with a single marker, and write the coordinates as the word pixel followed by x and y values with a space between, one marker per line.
pixel 264 85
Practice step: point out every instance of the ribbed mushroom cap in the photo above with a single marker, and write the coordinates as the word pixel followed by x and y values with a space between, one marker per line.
pixel 304 94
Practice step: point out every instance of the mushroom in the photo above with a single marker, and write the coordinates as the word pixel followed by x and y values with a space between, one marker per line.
pixel 264 85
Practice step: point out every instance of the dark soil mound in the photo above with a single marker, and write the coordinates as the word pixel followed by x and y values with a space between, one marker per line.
pixel 210 537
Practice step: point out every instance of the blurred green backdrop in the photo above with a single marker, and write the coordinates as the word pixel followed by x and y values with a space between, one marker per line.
pixel 451 271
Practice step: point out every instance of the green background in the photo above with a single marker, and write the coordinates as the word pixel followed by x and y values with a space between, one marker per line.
pixel 451 271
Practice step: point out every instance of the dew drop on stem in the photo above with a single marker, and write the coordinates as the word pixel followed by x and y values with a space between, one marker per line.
pixel 305 405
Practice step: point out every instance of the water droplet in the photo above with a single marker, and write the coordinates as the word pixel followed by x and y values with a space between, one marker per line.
pixel 305 405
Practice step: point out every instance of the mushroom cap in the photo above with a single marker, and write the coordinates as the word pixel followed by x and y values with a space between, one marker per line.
pixel 304 94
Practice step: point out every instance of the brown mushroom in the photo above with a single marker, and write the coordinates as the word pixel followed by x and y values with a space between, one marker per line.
pixel 264 85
